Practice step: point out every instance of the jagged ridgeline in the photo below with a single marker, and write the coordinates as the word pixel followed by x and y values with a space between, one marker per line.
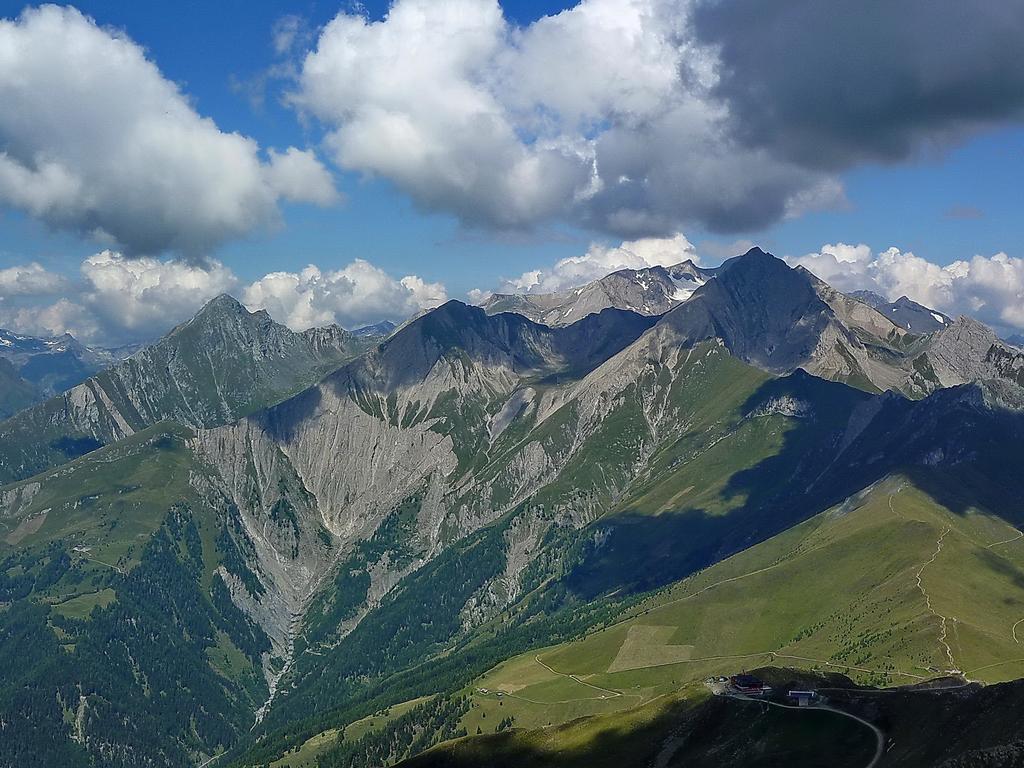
pixel 481 494
pixel 223 363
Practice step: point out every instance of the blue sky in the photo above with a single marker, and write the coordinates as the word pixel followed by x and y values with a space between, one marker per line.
pixel 203 46
pixel 952 193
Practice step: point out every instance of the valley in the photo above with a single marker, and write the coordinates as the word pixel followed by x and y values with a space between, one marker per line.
pixel 511 384
pixel 514 535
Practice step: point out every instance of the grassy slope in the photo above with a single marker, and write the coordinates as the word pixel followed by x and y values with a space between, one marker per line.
pixel 687 728
pixel 107 503
pixel 831 593
pixel 103 512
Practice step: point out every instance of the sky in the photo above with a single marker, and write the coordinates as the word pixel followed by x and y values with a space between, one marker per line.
pixel 350 162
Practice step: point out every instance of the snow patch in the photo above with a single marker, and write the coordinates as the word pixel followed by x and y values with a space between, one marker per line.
pixel 685 286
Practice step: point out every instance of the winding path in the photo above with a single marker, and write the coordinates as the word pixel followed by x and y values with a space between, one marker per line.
pixel 879 733
pixel 1013 630
pixel 85 556
pixel 1020 534
pixel 928 602
pixel 611 693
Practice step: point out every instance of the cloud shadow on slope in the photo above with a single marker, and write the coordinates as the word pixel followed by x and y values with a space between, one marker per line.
pixel 961 452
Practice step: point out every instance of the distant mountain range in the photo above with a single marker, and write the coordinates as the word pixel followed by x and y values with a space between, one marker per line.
pixel 37 368
pixel 781 319
pixel 223 363
pixel 243 542
pixel 383 328
pixel 907 314
pixel 650 291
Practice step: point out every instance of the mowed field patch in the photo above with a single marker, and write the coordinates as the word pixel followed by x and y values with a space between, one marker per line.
pixel 27 527
pixel 648 646
pixel 831 593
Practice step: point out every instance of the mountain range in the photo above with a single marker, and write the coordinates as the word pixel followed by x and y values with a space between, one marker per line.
pixel 220 365
pixel 905 312
pixel 649 291
pixel 248 546
pixel 33 369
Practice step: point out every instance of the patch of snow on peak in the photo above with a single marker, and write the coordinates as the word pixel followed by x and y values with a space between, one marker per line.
pixel 685 286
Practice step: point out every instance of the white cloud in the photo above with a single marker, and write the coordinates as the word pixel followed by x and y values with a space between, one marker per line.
pixel 288 32
pixel 356 295
pixel 62 316
pixel 94 139
pixel 600 115
pixel 119 300
pixel 144 297
pixel 598 261
pixel 990 288
pixel 29 280
pixel 298 176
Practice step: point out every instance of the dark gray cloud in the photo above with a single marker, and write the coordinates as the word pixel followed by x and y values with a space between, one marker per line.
pixel 679 170
pixel 831 83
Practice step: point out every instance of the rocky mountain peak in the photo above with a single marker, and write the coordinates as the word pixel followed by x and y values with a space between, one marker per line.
pixel 871 298
pixel 327 338
pixel 222 304
pixel 383 328
pixel 765 312
pixel 904 312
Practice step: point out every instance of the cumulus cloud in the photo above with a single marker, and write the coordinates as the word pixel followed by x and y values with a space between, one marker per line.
pixel 298 176
pixel 143 297
pixel 29 280
pixel 639 117
pixel 117 300
pixel 95 140
pixel 990 288
pixel 358 294
pixel 598 261
pixel 598 115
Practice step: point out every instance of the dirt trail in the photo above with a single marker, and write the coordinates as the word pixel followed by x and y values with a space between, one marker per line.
pixel 943 634
pixel 575 679
pixel 879 734
pixel 1019 535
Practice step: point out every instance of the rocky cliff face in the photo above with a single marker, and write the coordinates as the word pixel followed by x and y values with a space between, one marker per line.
pixel 650 291
pixel 413 419
pixel 485 417
pixel 904 312
pixel 221 364
pixel 967 351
